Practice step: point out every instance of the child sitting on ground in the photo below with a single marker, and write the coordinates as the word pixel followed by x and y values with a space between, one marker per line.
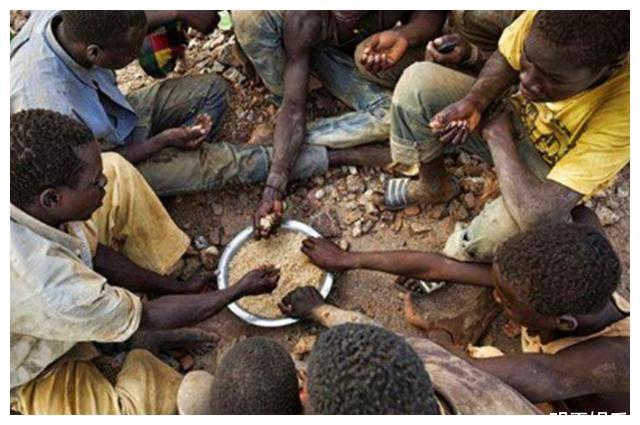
pixel 558 283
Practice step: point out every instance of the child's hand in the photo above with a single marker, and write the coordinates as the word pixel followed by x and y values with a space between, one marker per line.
pixel 326 255
pixel 300 302
pixel 191 137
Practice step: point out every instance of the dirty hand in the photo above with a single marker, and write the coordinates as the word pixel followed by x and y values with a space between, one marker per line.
pixel 454 123
pixel 460 53
pixel 202 282
pixel 300 302
pixel 190 137
pixel 268 214
pixel 326 255
pixel 383 51
pixel 262 280
pixel 204 21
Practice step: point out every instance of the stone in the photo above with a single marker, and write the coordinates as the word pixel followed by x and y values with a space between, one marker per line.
pixel 326 224
pixel 355 185
pixel 356 231
pixel 623 190
pixel 319 194
pixel 607 216
pixel 457 211
pixel 353 170
pixel 217 67
pixel 367 225
pixel 191 267
pixel 419 228
pixel 262 134
pixel 209 257
pixel 387 216
pixel 233 75
pixel 217 209
pixel 344 245
pixel 396 226
pixel 411 211
pixel 472 184
pixel 352 216
pixel 216 236
pixel 318 180
pixel 469 200
pixel 200 242
pixel 371 209
pixel 437 212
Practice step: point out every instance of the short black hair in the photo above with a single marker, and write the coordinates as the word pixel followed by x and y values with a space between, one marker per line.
pixel 363 369
pixel 44 153
pixel 591 38
pixel 563 268
pixel 256 377
pixel 103 27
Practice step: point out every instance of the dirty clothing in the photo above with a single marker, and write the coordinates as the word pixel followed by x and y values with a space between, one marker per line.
pixel 213 166
pixel 424 90
pixel 43 75
pixel 481 29
pixel 144 386
pixel 58 301
pixel 260 33
pixel 585 138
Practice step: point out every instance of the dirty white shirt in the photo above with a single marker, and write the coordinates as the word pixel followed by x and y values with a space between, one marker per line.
pixel 57 300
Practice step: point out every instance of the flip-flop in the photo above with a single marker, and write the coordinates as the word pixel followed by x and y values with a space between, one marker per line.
pixel 422 287
pixel 396 193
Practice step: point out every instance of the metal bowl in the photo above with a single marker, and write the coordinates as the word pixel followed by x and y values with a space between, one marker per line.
pixel 223 274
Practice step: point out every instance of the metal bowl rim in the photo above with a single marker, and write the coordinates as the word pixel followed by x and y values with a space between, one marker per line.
pixel 223 271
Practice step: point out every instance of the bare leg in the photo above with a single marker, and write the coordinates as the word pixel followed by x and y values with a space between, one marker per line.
pixel 373 154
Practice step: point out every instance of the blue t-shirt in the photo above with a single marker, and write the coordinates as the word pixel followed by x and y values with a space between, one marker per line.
pixel 43 75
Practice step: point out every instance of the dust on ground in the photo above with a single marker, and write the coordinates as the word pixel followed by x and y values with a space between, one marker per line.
pixel 338 204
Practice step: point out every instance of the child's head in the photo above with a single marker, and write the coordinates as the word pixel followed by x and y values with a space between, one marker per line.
pixel 256 377
pixel 56 168
pixel 109 38
pixel 547 276
pixel 568 51
pixel 363 369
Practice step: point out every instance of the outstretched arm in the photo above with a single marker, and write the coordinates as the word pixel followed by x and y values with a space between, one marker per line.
pixel 415 264
pixel 178 311
pixel 302 29
pixel 593 367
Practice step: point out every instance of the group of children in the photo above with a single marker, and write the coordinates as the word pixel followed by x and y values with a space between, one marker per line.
pixel 543 96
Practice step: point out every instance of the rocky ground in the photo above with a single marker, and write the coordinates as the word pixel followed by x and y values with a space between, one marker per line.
pixel 339 205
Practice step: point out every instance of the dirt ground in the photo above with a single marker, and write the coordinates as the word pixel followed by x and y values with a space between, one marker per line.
pixel 344 198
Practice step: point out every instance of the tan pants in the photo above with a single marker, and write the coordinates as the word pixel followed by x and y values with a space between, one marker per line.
pixel 134 222
pixel 144 386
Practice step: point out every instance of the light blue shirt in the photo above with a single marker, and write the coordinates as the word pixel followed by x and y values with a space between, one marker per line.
pixel 43 75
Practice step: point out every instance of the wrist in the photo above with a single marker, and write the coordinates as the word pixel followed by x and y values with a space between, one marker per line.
pixel 272 193
pixel 159 141
pixel 277 181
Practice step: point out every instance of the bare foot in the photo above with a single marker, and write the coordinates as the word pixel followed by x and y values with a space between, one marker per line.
pixel 433 191
pixel 174 338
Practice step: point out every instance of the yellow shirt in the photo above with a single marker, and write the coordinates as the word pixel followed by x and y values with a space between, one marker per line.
pixel 585 138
